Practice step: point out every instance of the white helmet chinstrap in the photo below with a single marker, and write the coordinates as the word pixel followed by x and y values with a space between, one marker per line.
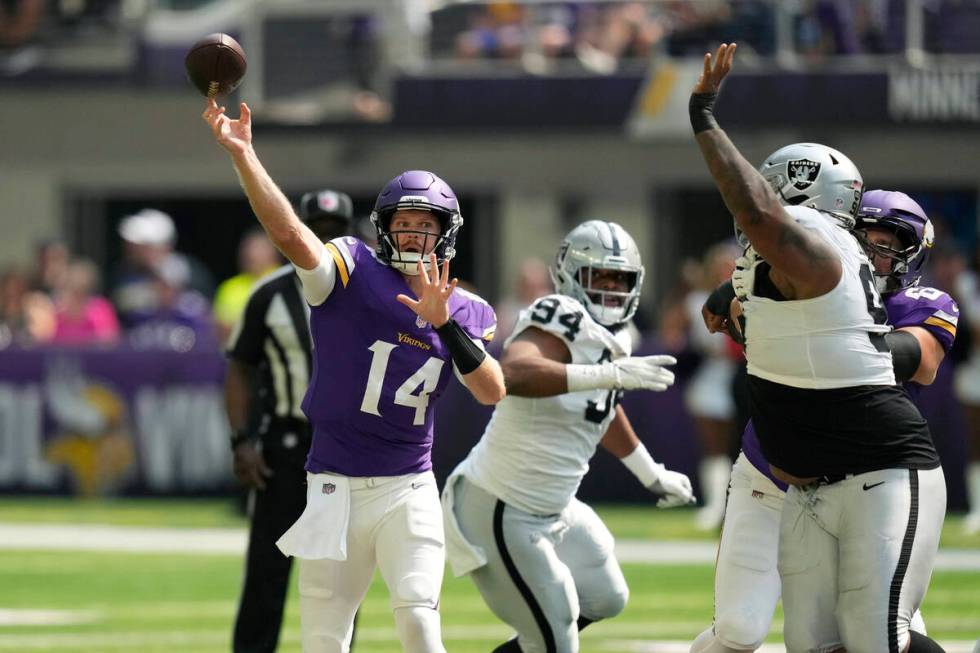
pixel 814 175
pixel 599 245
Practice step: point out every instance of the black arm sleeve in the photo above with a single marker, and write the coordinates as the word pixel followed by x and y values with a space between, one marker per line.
pixel 906 354
pixel 701 107
pixel 464 351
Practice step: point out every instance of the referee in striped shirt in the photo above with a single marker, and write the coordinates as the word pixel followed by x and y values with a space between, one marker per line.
pixel 269 363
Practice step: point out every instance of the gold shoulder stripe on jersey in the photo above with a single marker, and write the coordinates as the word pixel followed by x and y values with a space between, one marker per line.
pixel 942 324
pixel 341 264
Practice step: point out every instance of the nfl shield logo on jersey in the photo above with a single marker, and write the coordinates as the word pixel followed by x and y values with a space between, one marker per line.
pixel 420 323
pixel 329 488
pixel 802 172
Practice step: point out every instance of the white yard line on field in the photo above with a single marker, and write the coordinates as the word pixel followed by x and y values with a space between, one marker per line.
pixel 20 617
pixel 232 541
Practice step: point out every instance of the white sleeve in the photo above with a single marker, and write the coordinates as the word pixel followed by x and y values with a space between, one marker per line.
pixel 318 283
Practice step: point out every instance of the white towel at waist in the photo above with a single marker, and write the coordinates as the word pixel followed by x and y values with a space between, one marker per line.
pixel 321 531
pixel 463 556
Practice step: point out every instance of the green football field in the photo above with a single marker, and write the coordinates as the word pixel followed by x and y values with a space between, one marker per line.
pixel 92 601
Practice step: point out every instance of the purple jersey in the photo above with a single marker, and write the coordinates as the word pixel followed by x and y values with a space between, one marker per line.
pixel 929 308
pixel 378 369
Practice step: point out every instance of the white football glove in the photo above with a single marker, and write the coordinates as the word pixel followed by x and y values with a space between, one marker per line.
pixel 672 488
pixel 643 373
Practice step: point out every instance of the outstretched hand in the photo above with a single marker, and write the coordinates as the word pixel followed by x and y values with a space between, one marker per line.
pixel 433 302
pixel 233 135
pixel 715 69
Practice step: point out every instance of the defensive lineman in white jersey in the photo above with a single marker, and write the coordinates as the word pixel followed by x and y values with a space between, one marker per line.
pixel 860 524
pixel 542 559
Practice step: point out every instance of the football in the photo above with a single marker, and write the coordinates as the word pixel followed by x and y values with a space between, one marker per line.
pixel 215 65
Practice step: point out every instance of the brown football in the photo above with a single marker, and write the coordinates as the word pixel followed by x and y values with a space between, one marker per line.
pixel 215 65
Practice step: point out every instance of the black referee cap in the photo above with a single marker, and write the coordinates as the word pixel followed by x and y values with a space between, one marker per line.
pixel 326 204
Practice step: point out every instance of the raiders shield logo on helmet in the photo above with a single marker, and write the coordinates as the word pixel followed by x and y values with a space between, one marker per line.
pixel 802 172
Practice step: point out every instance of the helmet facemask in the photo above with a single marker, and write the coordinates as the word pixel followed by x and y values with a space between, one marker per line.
pixel 609 307
pixel 599 246
pixel 406 261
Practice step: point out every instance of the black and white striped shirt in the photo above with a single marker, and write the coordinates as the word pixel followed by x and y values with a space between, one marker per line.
pixel 274 337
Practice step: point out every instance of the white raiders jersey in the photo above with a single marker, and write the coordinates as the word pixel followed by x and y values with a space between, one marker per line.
pixel 535 451
pixel 832 341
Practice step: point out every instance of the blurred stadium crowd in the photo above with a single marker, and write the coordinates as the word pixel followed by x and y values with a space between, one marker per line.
pixel 138 38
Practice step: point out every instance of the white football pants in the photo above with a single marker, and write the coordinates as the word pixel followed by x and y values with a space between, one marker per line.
pixel 855 559
pixel 746 578
pixel 543 572
pixel 396 525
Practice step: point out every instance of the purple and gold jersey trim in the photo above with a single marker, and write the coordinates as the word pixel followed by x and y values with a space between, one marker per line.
pixel 342 268
pixel 927 308
pixel 942 323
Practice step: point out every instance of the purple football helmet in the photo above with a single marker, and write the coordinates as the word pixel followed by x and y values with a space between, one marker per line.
pixel 900 214
pixel 422 191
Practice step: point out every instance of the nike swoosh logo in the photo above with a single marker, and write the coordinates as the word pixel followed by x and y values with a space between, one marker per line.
pixel 867 486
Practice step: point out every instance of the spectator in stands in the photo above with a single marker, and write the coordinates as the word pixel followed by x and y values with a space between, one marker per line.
pixel 496 31
pixel 694 23
pixel 19 23
pixel 81 316
pixel 256 258
pixel 51 260
pixel 19 20
pixel 148 244
pixel 180 319
pixel 615 31
pixel 26 317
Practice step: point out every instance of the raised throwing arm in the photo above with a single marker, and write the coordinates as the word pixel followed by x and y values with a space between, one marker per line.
pixel 293 238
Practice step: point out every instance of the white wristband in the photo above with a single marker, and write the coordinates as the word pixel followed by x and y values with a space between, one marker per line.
pixel 590 377
pixel 643 466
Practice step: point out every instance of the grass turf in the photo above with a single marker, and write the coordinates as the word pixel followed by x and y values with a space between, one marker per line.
pixel 155 603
